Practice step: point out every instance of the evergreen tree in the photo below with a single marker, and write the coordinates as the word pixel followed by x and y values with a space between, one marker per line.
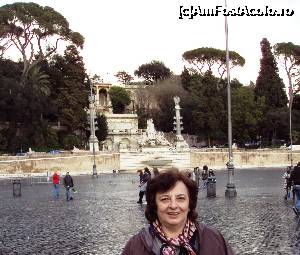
pixel 69 91
pixel 102 128
pixel 268 83
pixel 119 99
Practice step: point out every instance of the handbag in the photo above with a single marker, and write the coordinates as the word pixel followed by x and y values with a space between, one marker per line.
pixel 74 190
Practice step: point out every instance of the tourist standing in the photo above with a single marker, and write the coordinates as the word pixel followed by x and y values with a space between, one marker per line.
pixel 143 184
pixel 211 173
pixel 55 182
pixel 287 185
pixel 295 178
pixel 204 176
pixel 147 172
pixel 155 171
pixel 68 184
pixel 197 173
pixel 140 172
pixel 173 227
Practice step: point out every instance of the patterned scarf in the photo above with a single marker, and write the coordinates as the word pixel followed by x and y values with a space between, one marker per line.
pixel 170 244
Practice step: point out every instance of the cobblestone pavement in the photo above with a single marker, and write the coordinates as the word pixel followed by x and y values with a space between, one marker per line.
pixel 104 214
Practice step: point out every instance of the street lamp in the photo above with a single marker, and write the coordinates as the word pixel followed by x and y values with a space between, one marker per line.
pixel 230 188
pixel 93 139
pixel 290 120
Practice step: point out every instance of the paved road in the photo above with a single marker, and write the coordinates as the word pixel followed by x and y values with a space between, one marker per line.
pixel 104 214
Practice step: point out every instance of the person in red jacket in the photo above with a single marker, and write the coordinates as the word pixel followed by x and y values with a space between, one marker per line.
pixel 55 181
pixel 173 229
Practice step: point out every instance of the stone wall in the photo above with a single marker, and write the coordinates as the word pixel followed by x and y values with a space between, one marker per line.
pixel 75 164
pixel 106 162
pixel 255 158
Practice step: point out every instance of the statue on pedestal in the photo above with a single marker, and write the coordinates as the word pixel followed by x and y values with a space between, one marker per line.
pixel 151 132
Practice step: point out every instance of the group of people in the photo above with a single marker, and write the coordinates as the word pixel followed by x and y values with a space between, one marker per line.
pixel 145 176
pixel 292 186
pixel 171 213
pixel 196 175
pixel 67 182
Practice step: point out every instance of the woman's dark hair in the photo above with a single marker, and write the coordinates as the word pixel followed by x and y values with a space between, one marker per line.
pixel 205 167
pixel 162 183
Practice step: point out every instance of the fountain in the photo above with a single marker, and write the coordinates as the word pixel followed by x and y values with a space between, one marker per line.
pixel 156 151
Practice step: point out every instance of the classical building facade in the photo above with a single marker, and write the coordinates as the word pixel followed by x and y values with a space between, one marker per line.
pixel 123 132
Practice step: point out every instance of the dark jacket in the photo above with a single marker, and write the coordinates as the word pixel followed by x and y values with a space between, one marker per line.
pixel 295 175
pixel 68 181
pixel 211 242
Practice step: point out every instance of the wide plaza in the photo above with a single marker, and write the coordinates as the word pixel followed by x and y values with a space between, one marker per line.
pixel 104 214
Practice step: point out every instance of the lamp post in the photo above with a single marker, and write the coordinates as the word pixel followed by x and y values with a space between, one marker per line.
pixel 93 139
pixel 290 120
pixel 230 187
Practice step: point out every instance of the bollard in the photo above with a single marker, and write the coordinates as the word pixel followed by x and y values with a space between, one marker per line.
pixel 16 188
pixel 211 187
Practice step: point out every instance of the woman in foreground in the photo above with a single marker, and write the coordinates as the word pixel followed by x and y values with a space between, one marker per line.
pixel 173 230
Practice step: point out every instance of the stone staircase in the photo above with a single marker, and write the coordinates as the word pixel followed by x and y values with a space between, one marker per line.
pixel 131 161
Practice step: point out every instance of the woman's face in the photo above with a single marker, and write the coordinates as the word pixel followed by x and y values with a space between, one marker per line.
pixel 173 205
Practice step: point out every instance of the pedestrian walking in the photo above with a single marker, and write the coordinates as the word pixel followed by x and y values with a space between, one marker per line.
pixel 204 176
pixel 55 182
pixel 68 184
pixel 287 184
pixel 144 178
pixel 147 171
pixel 197 173
pixel 295 178
pixel 173 227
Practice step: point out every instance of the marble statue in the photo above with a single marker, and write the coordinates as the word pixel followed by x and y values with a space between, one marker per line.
pixel 151 132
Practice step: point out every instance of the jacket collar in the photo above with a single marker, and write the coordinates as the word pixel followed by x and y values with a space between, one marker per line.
pixel 153 245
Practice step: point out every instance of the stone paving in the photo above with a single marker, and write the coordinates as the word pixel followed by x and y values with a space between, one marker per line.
pixel 104 214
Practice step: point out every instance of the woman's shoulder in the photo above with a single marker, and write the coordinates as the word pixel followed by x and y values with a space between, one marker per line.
pixel 205 229
pixel 212 241
pixel 138 244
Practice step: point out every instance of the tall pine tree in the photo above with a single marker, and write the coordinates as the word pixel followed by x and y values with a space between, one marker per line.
pixel 271 86
pixel 268 83
pixel 69 90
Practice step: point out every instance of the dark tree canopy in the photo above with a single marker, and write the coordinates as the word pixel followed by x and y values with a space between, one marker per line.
pixel 163 95
pixel 152 72
pixel 102 128
pixel 207 59
pixel 119 99
pixel 35 31
pixel 268 83
pixel 206 108
pixel 69 91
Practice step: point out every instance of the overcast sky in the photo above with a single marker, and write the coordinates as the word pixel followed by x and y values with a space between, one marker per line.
pixel 123 34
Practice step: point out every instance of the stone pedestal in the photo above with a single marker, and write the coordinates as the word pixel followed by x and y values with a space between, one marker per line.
pixel 93 144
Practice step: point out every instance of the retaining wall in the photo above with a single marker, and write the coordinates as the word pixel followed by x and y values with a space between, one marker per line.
pixel 255 158
pixel 106 162
pixel 75 164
